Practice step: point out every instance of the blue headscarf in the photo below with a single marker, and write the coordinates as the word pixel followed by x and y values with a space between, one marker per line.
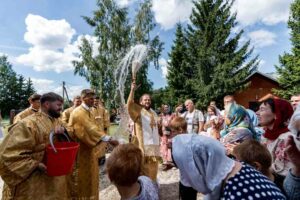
pixel 239 118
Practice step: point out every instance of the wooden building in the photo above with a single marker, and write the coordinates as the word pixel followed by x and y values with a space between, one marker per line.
pixel 260 86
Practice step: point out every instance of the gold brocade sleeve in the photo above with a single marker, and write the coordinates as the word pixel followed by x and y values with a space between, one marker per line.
pixel 17 161
pixel 134 110
pixel 65 117
pixel 17 118
pixel 85 128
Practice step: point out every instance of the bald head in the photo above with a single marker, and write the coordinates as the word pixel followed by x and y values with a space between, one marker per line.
pixel 228 100
pixel 189 104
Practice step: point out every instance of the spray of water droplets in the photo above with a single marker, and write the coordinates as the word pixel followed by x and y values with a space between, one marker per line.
pixel 137 55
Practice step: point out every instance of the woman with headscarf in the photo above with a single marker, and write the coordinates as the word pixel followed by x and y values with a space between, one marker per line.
pixel 274 115
pixel 238 125
pixel 205 167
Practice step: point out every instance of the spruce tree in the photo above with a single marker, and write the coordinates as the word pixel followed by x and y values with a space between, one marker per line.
pixel 220 64
pixel 13 88
pixel 179 71
pixel 289 69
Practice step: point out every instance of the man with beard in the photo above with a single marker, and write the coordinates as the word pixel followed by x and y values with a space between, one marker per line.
pixel 66 114
pixel 146 132
pixel 35 105
pixel 84 182
pixel 22 153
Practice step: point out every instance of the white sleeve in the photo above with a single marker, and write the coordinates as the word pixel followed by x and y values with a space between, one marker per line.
pixel 201 117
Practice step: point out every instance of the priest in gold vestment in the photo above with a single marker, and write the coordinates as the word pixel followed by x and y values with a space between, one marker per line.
pixel 35 105
pixel 66 114
pixel 22 153
pixel 146 132
pixel 84 182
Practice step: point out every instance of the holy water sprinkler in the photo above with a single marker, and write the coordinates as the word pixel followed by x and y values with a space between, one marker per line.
pixel 139 55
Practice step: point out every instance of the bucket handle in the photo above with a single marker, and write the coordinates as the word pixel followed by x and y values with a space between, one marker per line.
pixel 52 134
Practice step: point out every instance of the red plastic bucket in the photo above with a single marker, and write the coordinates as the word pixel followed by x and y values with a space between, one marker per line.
pixel 60 156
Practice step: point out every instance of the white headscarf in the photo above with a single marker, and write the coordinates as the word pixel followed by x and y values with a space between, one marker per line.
pixel 202 162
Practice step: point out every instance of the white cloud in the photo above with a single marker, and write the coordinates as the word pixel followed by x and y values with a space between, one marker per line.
pixel 52 49
pixel 262 38
pixel 45 85
pixel 124 3
pixel 164 67
pixel 169 12
pixel 269 12
pixel 48 34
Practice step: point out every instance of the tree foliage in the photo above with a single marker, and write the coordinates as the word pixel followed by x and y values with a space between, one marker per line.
pixel 116 35
pixel 214 63
pixel 14 89
pixel 289 68
pixel 179 70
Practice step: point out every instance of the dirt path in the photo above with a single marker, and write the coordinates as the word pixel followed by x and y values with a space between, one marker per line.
pixel 168 182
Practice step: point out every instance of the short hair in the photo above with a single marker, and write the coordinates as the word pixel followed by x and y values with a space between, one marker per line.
pixel 76 97
pixel 270 102
pixel 178 123
pixel 146 94
pixel 124 165
pixel 34 97
pixel 295 95
pixel 51 97
pixel 87 92
pixel 251 151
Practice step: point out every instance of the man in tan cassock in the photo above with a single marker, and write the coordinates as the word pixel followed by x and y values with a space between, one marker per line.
pixel 101 114
pixel 66 114
pixel 102 120
pixel 22 153
pixel 146 132
pixel 35 105
pixel 84 129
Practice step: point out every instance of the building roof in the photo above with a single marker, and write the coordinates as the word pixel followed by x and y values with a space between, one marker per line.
pixel 272 78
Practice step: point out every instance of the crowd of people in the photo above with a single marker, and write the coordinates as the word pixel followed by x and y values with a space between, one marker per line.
pixel 230 153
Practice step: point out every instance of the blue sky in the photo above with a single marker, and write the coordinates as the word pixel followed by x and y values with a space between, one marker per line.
pixel 40 37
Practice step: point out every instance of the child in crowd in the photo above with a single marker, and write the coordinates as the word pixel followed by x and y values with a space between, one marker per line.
pixel 124 171
pixel 258 156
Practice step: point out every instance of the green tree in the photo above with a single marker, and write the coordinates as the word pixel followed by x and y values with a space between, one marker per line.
pixel 112 31
pixel 179 71
pixel 14 90
pixel 220 64
pixel 115 35
pixel 141 34
pixel 289 68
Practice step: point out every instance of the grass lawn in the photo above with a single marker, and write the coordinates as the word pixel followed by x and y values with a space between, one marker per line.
pixel 5 125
